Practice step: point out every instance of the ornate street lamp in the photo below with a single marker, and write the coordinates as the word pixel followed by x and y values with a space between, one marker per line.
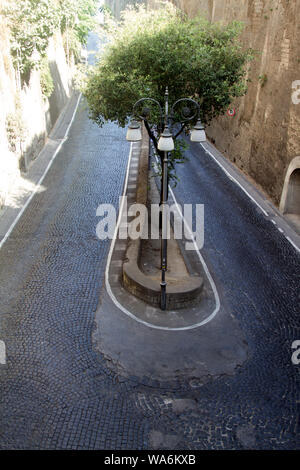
pixel 134 133
pixel 198 133
pixel 166 144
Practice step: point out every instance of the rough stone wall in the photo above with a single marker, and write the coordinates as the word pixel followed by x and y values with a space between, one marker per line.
pixel 264 136
pixel 37 112
pixel 8 161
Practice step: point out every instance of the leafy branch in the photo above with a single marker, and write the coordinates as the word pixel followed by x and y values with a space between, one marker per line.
pixel 33 22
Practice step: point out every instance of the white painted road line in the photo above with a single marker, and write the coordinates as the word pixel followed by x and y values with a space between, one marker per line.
pixel 235 181
pixel 2 344
pixel 38 185
pixel 111 294
pixel 211 281
pixel 2 352
pixel 292 243
pixel 251 197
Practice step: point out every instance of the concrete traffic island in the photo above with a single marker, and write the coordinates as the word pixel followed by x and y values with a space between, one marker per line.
pixel 177 348
pixel 141 267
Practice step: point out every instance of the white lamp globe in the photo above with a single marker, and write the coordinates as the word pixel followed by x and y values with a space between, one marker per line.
pixel 198 133
pixel 166 142
pixel 134 133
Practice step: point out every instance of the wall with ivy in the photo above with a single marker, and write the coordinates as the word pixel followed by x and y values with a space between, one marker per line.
pixel 27 114
pixel 40 42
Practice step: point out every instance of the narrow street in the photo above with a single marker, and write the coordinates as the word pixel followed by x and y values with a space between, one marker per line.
pixel 59 391
pixel 255 267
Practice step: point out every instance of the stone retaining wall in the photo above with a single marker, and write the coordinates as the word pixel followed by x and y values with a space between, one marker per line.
pixel 37 113
pixel 263 138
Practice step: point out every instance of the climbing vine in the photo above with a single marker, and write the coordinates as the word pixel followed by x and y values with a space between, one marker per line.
pixel 47 84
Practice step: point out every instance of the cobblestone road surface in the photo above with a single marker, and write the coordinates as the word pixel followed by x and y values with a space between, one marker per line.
pixel 57 392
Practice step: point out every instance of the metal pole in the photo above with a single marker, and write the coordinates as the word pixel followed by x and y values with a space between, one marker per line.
pixel 163 227
pixel 166 106
pixel 164 247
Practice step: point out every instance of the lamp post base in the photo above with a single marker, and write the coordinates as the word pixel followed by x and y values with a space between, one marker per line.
pixel 163 296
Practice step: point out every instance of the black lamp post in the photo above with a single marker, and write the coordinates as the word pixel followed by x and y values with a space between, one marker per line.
pixel 166 144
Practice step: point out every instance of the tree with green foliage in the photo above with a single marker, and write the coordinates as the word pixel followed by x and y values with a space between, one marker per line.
pixel 33 22
pixel 149 50
pixel 79 16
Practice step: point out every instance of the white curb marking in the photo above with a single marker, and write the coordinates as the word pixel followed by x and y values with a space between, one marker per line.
pixel 251 197
pixel 38 185
pixel 2 352
pixel 233 179
pixel 121 307
pixel 292 243
pixel 2 344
